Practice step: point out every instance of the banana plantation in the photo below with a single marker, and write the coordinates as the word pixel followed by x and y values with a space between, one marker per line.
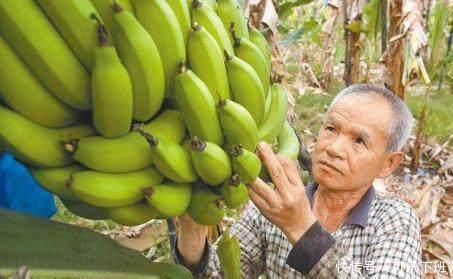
pixel 226 139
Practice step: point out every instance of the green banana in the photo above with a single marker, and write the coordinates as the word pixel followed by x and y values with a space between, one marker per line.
pixel 112 190
pixel 171 159
pixel 232 16
pixel 31 34
pixel 206 17
pixel 275 115
pixel 54 179
pixel 161 23
pixel 238 125
pixel 105 10
pixel 36 145
pixel 139 54
pixel 84 210
pixel 229 252
pixel 182 13
pixel 24 93
pixel 206 61
pixel 260 41
pixel 130 152
pixel 131 215
pixel 205 207
pixel 245 163
pixel 111 89
pixel 234 192
pixel 170 198
pixel 246 87
pixel 288 142
pixel 210 3
pixel 72 20
pixel 247 51
pixel 210 161
pixel 197 105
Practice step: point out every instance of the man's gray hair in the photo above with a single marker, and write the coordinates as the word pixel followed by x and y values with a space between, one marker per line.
pixel 402 122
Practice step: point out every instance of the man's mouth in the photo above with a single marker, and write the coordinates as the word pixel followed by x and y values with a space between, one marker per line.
pixel 331 166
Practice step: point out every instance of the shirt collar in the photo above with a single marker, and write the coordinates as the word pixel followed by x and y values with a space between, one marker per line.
pixel 359 214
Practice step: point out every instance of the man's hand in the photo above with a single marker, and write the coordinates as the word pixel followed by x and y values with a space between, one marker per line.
pixel 286 206
pixel 191 239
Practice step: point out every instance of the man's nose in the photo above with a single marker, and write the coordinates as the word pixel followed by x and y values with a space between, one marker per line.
pixel 336 149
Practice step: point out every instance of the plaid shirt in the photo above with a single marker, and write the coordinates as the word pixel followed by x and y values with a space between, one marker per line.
pixel 379 239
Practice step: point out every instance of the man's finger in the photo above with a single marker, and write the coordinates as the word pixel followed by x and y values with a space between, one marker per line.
pixel 258 201
pixel 290 167
pixel 264 191
pixel 273 166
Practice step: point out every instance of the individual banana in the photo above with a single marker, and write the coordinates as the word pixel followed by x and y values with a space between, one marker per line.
pixel 247 51
pixel 245 163
pixel 111 89
pixel 24 93
pixel 206 61
pixel 160 21
pixel 229 253
pixel 112 190
pixel 182 13
pixel 232 16
pixel 260 41
pixel 72 20
pixel 288 142
pixel 131 215
pixel 205 207
pixel 36 145
pixel 275 115
pixel 238 125
pixel 234 192
pixel 84 210
pixel 130 152
pixel 206 17
pixel 171 159
pixel 246 87
pixel 54 179
pixel 197 105
pixel 169 198
pixel 27 29
pixel 105 9
pixel 141 57
pixel 210 161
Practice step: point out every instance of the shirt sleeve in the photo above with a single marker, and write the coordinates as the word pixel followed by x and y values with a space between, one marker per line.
pixel 394 251
pixel 248 232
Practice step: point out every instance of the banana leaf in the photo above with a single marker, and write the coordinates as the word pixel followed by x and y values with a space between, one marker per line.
pixel 51 249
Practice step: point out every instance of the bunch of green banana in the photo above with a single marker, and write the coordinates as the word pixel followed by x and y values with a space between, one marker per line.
pixel 260 41
pixel 182 13
pixel 246 87
pixel 234 192
pixel 205 207
pixel 288 142
pixel 72 19
pixel 54 179
pixel 245 163
pixel 196 105
pixel 238 125
pixel 206 17
pixel 141 57
pixel 170 198
pixel 27 29
pixel 111 89
pixel 229 252
pixel 160 21
pixel 210 161
pixel 112 190
pixel 105 10
pixel 232 16
pixel 171 159
pixel 37 145
pixel 206 61
pixel 23 92
pixel 275 114
pixel 130 152
pixel 131 215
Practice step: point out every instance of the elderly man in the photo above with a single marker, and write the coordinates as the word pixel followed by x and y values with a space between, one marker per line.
pixel 337 227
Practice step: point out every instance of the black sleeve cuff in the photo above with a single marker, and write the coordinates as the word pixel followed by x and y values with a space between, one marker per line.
pixel 310 248
pixel 195 269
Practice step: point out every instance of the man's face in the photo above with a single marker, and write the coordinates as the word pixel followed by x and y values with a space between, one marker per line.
pixel 351 148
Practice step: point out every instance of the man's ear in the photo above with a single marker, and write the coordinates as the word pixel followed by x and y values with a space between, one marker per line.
pixel 392 161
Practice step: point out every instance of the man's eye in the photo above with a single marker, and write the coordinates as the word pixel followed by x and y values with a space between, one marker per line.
pixel 360 141
pixel 330 129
